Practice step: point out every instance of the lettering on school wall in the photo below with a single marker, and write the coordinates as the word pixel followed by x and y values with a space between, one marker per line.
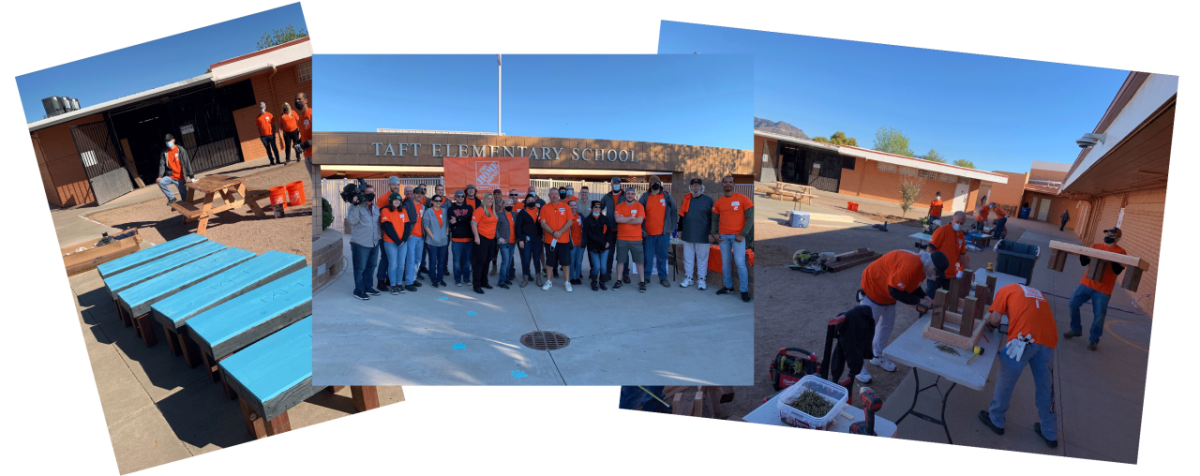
pixel 415 149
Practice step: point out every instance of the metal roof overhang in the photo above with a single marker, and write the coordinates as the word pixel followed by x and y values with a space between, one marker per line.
pixel 122 101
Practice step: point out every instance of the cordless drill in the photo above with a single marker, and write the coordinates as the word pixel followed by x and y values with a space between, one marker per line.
pixel 871 404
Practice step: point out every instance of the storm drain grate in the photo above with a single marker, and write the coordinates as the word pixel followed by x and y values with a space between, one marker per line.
pixel 545 340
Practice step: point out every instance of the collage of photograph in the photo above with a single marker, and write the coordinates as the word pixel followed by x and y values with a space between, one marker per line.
pixel 910 243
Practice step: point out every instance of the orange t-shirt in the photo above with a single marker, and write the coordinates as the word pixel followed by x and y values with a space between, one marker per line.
pixel 952 244
pixel 486 224
pixel 576 229
pixel 556 216
pixel 381 201
pixel 629 231
pixel 1028 313
pixel 418 230
pixel 397 218
pixel 656 210
pixel 306 129
pixel 935 208
pixel 983 214
pixel 264 124
pixel 289 121
pixel 999 212
pixel 732 211
pixel 173 163
pixel 1105 285
pixel 900 269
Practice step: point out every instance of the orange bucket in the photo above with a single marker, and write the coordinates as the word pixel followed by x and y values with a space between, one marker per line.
pixel 279 197
pixel 295 193
pixel 852 206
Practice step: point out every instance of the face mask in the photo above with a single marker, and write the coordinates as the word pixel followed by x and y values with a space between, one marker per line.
pixel 1108 240
pixel 299 105
pixel 939 197
pixel 170 144
pixel 369 196
pixel 595 213
pixel 508 208
pixel 617 186
pixel 530 205
pixel 956 226
pixel 562 194
pixel 263 110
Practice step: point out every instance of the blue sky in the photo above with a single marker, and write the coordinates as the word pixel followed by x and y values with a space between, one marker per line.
pixel 681 99
pixel 999 113
pixel 152 64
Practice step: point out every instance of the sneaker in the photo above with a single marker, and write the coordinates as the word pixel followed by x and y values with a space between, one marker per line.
pixel 478 291
pixel 503 285
pixel 458 283
pixel 568 286
pixel 701 285
pixel 485 285
pixel 1070 334
pixel 417 284
pixel 1037 428
pixel 884 363
pixel 410 288
pixel 467 280
pixel 627 280
pixel 1092 345
pixel 524 281
pixel 665 283
pixel 618 285
pixel 547 286
pixel 171 201
pixel 863 376
pixel 394 289
pixel 603 287
pixel 372 292
pixel 745 297
pixel 724 291
pixel 642 287
pixel 383 284
pixel 987 421
pixel 686 282
pixel 361 297
pixel 541 279
pixel 595 285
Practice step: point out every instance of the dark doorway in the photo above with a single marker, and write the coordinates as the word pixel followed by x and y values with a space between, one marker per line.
pixel 820 169
pixel 105 171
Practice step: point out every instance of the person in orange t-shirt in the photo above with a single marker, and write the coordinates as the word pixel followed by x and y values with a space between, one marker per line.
pixel 950 240
pixel 395 221
pixel 1032 336
pixel 289 122
pixel 1098 292
pixel 174 168
pixel 981 215
pixel 895 277
pixel 266 133
pixel 305 113
pixel 935 207
pixel 556 219
pixel 733 220
pixel 629 216
pixel 483 227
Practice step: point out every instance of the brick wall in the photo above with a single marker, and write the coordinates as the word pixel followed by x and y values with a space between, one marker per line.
pixel 273 90
pixel 1009 194
pixel 327 261
pixel 1141 234
pixel 866 180
pixel 57 156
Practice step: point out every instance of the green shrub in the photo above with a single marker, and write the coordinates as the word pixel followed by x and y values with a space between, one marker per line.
pixel 326 214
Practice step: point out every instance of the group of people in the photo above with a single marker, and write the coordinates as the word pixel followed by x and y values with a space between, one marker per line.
pixel 175 167
pixel 982 214
pixel 414 232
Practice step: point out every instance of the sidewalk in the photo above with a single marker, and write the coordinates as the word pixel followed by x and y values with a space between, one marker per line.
pixel 1098 395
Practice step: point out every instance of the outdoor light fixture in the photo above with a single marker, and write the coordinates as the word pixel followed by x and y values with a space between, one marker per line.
pixel 1089 140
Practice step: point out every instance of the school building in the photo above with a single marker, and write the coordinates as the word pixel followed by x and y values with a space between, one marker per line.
pixel 100 152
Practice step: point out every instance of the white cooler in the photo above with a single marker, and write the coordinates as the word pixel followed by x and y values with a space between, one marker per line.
pixel 798 219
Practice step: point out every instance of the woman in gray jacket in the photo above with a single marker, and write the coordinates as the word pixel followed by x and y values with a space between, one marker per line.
pixel 506 240
pixel 437 238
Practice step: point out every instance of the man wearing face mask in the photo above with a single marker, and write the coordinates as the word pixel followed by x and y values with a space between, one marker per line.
pixel 305 114
pixel 695 221
pixel 607 204
pixel 577 242
pixel 895 277
pixel 289 122
pixel 952 242
pixel 1098 292
pixel 506 240
pixel 529 241
pixel 266 133
pixel 733 221
pixel 935 207
pixel 657 229
pixel 174 168
pixel 598 237
pixel 365 235
pixel 414 206
pixel 556 219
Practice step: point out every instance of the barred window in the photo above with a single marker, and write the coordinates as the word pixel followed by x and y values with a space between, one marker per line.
pixel 947 178
pixel 912 172
pixel 925 174
pixel 886 167
pixel 304 71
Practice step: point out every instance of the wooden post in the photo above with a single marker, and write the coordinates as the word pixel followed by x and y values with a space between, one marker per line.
pixel 279 424
pixel 991 285
pixel 146 329
pixel 968 317
pixel 209 366
pixel 191 352
pixel 225 387
pixel 952 296
pixel 1133 277
pixel 1058 259
pixel 967 282
pixel 939 309
pixel 1095 271
pixel 172 342
pixel 254 424
pixel 698 404
pixel 981 293
pixel 365 397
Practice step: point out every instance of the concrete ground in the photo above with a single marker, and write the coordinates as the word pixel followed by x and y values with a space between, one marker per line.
pixel 452 336
pixel 1098 395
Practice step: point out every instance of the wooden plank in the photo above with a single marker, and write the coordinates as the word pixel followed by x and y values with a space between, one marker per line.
pixel 968 280
pixel 981 293
pixel 254 423
pixel 1058 260
pixel 189 211
pixel 968 316
pixel 274 374
pixel 173 343
pixel 1133 277
pixel 955 339
pixel 147 255
pixel 365 397
pixel 279 424
pixel 1124 260
pixel 698 404
pixel 241 321
pixel 130 164
pixel 991 286
pixel 159 267
pixel 952 296
pixel 138 299
pixel 173 312
pixel 939 309
pixel 89 259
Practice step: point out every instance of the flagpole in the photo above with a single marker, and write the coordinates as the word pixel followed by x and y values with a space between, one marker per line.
pixel 499 83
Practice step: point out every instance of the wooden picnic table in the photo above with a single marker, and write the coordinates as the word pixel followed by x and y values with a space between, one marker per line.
pixel 233 193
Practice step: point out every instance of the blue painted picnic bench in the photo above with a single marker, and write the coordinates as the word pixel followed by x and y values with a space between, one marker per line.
pixel 147 255
pixel 275 374
pixel 243 320
pixel 137 300
pixel 153 269
pixel 174 311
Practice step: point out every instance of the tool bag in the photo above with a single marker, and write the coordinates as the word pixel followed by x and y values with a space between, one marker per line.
pixel 790 365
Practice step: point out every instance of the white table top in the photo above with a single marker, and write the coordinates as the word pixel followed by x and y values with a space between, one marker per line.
pixel 914 350
pixel 1002 279
pixel 921 236
pixel 768 414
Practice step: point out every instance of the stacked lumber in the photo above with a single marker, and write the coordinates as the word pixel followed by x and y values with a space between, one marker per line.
pixel 957 317
pixel 851 259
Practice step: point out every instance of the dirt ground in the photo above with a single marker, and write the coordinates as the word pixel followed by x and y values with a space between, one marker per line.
pixel 792 308
pixel 159 223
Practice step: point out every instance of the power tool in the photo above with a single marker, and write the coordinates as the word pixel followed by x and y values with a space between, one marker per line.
pixel 810 262
pixel 871 404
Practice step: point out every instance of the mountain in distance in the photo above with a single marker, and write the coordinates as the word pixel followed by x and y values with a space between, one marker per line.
pixel 781 128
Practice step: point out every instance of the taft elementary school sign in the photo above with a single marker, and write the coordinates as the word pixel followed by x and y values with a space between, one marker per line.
pixel 414 149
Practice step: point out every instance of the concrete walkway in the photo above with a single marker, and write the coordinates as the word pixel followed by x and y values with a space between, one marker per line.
pixel 1098 396
pixel 667 336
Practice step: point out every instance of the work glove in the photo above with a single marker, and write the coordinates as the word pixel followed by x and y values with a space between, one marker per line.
pixel 1016 347
pixel 959 275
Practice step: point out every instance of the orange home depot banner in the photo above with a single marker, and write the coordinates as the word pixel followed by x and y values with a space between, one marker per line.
pixel 486 173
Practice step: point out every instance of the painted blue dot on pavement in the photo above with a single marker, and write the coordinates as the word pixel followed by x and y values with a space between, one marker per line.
pixel 472 313
pixel 518 374
pixel 442 298
pixel 459 345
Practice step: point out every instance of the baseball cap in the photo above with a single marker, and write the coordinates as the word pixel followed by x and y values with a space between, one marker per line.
pixel 394 180
pixel 940 262
pixel 497 191
pixel 1116 232
pixel 697 181
pixel 615 179
pixel 459 193
pixel 470 186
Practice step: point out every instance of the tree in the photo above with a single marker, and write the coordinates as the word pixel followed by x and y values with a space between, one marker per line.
pixel 964 163
pixel 838 138
pixel 281 36
pixel 934 156
pixel 892 141
pixel 910 190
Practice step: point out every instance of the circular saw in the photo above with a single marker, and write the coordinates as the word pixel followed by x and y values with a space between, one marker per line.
pixel 810 262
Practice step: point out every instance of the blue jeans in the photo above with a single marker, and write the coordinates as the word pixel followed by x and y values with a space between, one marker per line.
pixel 364 266
pixel 382 275
pixel 506 261
pixel 437 263
pixel 462 260
pixel 1099 310
pixel 269 144
pixel 1041 361
pixel 164 182
pixel 412 251
pixel 730 245
pixel 577 262
pixel 395 268
pixel 632 397
pixel 598 260
pixel 657 246
pixel 532 249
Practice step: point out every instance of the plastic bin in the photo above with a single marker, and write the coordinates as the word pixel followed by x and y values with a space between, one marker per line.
pixel 1024 214
pixel 1017 259
pixel 715 260
pixel 295 193
pixel 836 394
pixel 798 219
pixel 279 197
pixel 852 206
